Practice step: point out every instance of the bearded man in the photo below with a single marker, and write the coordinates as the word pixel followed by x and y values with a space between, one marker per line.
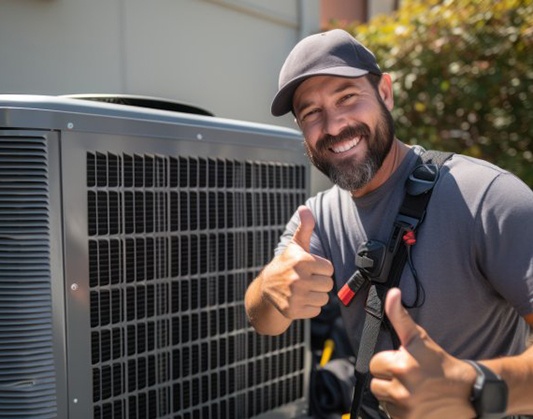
pixel 466 293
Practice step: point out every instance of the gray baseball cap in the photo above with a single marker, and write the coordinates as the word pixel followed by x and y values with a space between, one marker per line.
pixel 332 53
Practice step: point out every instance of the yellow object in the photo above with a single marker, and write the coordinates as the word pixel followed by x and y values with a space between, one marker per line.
pixel 345 416
pixel 329 345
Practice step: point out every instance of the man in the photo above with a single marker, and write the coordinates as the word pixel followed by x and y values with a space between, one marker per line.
pixel 470 283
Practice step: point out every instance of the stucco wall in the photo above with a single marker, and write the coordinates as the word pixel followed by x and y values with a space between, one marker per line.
pixel 222 55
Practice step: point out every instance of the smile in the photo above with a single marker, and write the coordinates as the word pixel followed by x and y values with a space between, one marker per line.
pixel 345 146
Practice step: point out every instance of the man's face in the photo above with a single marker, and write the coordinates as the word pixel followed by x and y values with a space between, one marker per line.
pixel 348 129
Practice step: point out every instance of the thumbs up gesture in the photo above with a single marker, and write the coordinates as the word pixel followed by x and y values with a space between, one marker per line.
pixel 296 282
pixel 420 379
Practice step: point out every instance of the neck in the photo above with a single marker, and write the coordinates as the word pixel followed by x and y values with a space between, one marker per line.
pixel 393 160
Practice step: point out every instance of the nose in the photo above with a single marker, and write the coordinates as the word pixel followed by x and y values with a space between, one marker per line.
pixel 333 122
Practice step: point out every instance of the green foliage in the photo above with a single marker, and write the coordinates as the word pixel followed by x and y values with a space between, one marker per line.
pixel 463 76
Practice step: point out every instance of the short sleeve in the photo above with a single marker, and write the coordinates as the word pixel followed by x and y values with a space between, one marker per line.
pixel 505 240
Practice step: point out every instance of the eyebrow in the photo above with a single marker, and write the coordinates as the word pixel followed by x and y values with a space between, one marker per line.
pixel 346 85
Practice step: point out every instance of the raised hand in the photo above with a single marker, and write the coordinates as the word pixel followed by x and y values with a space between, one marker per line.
pixel 420 379
pixel 296 282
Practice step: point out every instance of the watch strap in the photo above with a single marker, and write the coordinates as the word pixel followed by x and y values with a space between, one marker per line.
pixel 489 393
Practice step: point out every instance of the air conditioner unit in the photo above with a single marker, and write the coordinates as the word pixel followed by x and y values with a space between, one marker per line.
pixel 128 237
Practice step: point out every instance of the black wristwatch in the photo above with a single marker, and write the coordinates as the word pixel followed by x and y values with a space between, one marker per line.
pixel 489 393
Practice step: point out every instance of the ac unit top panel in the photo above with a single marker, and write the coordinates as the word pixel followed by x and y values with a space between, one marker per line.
pixel 38 112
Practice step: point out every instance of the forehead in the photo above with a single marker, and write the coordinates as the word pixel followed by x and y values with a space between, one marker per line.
pixel 327 85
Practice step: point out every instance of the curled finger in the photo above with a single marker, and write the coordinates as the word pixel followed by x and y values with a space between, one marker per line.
pixel 317 299
pixel 382 364
pixel 381 388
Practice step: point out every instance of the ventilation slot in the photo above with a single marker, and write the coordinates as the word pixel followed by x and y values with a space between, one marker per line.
pixel 27 378
pixel 174 243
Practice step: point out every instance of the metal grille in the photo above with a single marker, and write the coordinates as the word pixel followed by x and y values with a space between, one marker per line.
pixel 27 377
pixel 173 244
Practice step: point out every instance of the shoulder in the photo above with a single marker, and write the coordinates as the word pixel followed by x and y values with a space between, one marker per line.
pixel 481 184
pixel 331 203
pixel 471 173
pixel 322 200
pixel 461 162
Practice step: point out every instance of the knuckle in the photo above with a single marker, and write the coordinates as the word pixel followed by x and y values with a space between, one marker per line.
pixel 325 299
pixel 401 369
pixel 315 311
pixel 330 284
pixel 404 398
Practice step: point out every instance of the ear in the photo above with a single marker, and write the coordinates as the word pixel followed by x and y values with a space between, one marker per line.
pixel 385 91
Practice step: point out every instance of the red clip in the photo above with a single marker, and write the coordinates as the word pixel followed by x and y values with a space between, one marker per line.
pixel 352 286
pixel 345 294
pixel 409 238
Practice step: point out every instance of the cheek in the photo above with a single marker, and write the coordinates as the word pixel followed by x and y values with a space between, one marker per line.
pixel 310 138
pixel 368 111
pixel 309 149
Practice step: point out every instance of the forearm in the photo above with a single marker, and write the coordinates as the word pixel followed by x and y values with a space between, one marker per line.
pixel 262 314
pixel 517 371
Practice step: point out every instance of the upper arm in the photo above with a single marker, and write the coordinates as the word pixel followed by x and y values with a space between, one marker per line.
pixel 506 230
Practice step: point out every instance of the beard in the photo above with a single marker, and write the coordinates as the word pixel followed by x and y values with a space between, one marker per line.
pixel 353 174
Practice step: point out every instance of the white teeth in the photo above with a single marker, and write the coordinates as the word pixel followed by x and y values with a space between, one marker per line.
pixel 346 145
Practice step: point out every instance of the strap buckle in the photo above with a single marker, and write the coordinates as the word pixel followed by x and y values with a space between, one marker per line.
pixel 422 179
pixel 374 261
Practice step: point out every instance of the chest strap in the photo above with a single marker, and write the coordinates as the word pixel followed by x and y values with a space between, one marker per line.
pixel 380 266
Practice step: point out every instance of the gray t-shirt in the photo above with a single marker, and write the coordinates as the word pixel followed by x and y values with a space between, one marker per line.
pixel 473 255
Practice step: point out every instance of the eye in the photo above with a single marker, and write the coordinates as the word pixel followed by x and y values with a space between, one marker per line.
pixel 348 98
pixel 310 115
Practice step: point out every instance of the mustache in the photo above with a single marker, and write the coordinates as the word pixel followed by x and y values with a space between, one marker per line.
pixel 327 141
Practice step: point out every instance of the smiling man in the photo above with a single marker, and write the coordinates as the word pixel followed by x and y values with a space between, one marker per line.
pixel 469 280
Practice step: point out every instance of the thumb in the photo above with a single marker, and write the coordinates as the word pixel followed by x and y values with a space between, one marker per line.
pixel 403 323
pixel 303 233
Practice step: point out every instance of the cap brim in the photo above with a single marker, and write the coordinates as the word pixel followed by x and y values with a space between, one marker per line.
pixel 282 102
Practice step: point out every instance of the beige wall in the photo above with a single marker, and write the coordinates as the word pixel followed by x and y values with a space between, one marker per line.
pixel 222 55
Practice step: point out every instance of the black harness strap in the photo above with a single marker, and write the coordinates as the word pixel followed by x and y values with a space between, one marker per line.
pixel 419 186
